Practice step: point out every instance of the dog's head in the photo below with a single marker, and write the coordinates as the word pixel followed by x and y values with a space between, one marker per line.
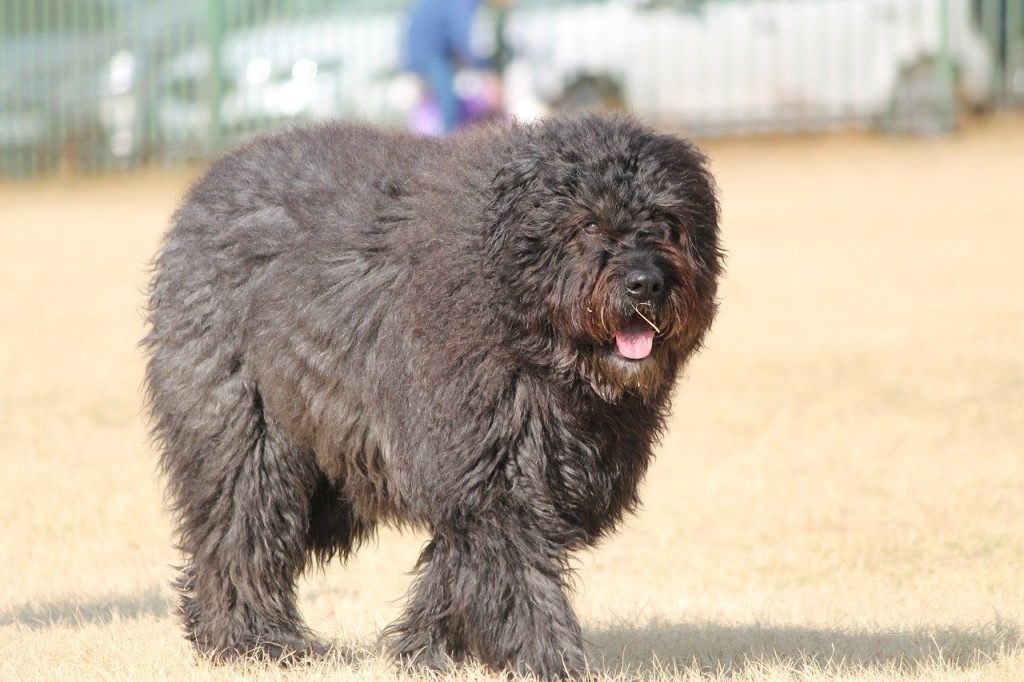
pixel 606 234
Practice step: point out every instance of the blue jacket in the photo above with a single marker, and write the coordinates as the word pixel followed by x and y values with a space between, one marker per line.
pixel 439 29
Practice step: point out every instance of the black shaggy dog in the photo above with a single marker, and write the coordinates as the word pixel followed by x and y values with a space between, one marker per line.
pixel 476 336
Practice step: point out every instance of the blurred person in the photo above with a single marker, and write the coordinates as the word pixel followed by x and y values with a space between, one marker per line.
pixel 438 43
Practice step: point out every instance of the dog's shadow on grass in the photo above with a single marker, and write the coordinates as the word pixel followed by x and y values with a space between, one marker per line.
pixel 724 650
pixel 708 648
pixel 70 611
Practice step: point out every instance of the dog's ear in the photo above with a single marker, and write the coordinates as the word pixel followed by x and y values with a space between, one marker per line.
pixel 513 187
pixel 517 207
pixel 694 196
pixel 512 183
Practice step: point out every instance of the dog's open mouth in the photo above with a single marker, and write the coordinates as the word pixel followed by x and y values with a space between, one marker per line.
pixel 635 340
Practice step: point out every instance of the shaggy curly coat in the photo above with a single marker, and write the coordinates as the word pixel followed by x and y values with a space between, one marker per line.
pixel 352 327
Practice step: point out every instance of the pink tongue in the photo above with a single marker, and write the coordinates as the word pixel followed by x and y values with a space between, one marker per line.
pixel 634 344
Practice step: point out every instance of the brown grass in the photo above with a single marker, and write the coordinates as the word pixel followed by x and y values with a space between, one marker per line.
pixel 841 495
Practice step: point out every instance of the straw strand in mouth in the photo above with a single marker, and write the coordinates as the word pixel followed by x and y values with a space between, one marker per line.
pixel 646 319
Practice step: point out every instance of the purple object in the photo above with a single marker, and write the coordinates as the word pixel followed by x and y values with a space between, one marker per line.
pixel 425 117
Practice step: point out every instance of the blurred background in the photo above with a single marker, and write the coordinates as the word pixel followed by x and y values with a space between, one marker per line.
pixel 91 85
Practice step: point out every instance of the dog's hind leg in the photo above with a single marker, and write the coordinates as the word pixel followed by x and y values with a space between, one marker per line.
pixel 244 506
pixel 494 589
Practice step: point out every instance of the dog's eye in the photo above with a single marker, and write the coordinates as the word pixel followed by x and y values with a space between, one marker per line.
pixel 591 226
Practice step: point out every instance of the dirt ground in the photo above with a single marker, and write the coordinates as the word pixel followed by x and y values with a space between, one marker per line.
pixel 841 494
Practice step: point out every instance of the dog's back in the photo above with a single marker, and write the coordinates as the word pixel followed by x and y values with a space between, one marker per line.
pixel 254 204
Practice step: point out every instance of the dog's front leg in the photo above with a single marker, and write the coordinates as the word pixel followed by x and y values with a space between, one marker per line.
pixel 493 588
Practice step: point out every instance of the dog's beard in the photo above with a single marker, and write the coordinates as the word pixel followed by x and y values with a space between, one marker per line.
pixel 630 348
pixel 612 376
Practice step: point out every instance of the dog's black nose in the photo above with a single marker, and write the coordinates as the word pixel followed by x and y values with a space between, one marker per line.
pixel 644 284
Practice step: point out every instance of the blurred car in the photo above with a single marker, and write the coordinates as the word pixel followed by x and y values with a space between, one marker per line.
pixel 114 105
pixel 76 77
pixel 37 119
pixel 748 64
pixel 341 66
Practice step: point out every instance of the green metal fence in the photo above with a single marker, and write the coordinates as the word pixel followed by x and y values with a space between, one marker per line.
pixel 96 84
pixel 1002 22
pixel 99 84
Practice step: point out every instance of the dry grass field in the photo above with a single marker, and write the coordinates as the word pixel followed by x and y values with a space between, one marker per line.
pixel 840 496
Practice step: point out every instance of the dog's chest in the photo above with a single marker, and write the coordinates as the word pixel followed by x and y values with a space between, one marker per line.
pixel 594 466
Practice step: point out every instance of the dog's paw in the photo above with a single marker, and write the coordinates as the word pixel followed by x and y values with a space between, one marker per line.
pixel 283 649
pixel 414 650
pixel 287 650
pixel 569 664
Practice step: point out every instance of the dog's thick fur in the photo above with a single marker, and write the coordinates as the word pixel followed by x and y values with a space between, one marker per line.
pixel 352 327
